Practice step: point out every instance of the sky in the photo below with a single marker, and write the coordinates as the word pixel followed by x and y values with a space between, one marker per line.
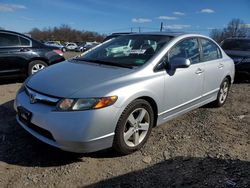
pixel 108 16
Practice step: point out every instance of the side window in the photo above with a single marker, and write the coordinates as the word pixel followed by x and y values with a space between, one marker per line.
pixel 24 42
pixel 8 40
pixel 188 48
pixel 210 50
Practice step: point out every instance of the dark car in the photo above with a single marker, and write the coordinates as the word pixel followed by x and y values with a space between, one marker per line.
pixel 239 50
pixel 21 55
pixel 56 44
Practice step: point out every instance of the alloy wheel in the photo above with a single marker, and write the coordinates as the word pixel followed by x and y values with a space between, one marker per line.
pixel 136 127
pixel 224 92
pixel 37 67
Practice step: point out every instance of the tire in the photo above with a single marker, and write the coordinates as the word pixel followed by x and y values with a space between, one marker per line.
pixel 133 127
pixel 36 66
pixel 222 94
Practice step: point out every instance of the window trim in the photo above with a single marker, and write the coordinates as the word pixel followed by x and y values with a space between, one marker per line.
pixel 201 50
pixel 17 46
pixel 167 53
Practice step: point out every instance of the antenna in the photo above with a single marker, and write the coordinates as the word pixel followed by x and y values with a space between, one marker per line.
pixel 161 28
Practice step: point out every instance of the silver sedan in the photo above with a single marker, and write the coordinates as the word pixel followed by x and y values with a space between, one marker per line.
pixel 113 95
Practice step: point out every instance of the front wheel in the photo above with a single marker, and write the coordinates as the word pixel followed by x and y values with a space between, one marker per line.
pixel 223 93
pixel 133 127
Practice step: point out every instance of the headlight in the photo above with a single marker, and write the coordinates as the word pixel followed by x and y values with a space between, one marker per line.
pixel 85 104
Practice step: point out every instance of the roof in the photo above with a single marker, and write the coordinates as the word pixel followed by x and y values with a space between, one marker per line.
pixel 13 32
pixel 173 34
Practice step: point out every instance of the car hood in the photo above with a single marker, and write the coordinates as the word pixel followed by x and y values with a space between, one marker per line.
pixel 67 78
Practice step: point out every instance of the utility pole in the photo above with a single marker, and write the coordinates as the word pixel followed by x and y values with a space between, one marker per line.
pixel 161 28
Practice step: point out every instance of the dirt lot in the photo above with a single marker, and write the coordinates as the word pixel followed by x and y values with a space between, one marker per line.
pixel 208 147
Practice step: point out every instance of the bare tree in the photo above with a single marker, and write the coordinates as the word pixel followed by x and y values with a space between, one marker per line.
pixel 217 35
pixel 236 28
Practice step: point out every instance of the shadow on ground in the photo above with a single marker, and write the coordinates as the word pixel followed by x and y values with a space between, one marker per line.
pixel 13 80
pixel 239 79
pixel 186 172
pixel 17 147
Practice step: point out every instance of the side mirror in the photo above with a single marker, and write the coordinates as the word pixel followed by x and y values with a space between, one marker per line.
pixel 179 62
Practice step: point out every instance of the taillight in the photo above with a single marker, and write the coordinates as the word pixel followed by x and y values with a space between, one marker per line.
pixel 59 52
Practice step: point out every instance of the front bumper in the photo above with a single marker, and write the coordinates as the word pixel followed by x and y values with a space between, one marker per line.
pixel 79 131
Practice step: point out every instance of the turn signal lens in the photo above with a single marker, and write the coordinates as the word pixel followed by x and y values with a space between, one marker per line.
pixel 105 101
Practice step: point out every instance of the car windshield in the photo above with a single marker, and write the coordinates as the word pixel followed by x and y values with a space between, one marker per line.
pixel 129 50
pixel 236 44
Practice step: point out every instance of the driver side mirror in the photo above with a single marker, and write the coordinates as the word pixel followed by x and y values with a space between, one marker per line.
pixel 179 62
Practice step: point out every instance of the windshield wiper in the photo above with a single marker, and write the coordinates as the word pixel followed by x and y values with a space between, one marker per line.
pixel 105 63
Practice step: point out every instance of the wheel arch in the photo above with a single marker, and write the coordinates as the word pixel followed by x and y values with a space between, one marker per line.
pixel 229 79
pixel 153 104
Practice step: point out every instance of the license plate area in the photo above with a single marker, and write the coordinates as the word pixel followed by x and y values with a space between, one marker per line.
pixel 24 114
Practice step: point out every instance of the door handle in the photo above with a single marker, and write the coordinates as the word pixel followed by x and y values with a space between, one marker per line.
pixel 199 71
pixel 220 66
pixel 24 50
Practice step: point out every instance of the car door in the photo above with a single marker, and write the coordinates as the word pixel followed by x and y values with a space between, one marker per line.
pixel 7 58
pixel 14 52
pixel 213 65
pixel 183 86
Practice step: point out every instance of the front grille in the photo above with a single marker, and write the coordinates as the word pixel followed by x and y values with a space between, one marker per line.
pixel 37 129
pixel 37 97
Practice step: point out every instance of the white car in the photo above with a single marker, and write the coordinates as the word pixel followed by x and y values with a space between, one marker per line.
pixel 113 97
pixel 71 46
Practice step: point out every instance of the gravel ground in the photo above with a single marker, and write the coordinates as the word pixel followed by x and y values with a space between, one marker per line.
pixel 207 147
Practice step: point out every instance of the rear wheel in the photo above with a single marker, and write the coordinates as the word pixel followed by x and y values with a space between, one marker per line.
pixel 63 49
pixel 36 66
pixel 223 93
pixel 133 127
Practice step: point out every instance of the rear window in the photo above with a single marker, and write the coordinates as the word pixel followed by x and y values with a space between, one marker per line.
pixel 24 42
pixel 234 44
pixel 7 40
pixel 210 50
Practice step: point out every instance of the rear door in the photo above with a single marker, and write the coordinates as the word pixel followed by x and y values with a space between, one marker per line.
pixel 14 53
pixel 213 65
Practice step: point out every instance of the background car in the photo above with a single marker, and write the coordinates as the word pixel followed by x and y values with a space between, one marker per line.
pixel 116 93
pixel 21 55
pixel 56 44
pixel 239 50
pixel 85 47
pixel 71 46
